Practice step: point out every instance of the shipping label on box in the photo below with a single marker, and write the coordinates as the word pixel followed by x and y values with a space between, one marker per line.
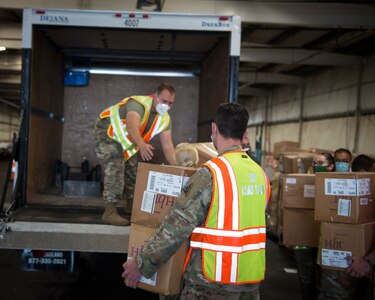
pixel 339 240
pixel 167 280
pixel 346 197
pixel 299 191
pixel 156 190
pixel 335 258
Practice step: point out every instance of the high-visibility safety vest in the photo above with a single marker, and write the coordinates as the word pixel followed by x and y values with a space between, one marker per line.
pixel 117 129
pixel 233 238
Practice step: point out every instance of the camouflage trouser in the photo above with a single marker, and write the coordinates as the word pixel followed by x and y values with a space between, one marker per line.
pixel 306 268
pixel 338 285
pixel 119 176
pixel 190 292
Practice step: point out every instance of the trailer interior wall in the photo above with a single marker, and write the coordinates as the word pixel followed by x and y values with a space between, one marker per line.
pixel 45 134
pixel 214 87
pixel 84 104
pixel 328 103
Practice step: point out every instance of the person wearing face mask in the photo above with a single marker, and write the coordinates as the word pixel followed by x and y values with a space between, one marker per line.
pixel 122 131
pixel 343 158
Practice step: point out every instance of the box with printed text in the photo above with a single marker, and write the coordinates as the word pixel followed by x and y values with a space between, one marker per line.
pixel 167 280
pixel 299 191
pixel 156 189
pixel 346 197
pixel 340 240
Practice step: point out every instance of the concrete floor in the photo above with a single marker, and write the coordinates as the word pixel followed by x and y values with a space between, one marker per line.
pixel 98 276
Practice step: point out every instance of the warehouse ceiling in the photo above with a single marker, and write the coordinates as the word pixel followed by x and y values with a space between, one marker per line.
pixel 283 42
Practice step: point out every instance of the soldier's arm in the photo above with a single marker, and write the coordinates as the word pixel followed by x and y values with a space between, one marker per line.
pixel 189 211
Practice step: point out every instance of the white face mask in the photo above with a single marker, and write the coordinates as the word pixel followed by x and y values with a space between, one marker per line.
pixel 162 108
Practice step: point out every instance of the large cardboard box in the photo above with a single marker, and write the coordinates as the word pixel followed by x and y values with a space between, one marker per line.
pixel 345 197
pixel 206 151
pixel 341 240
pixel 156 189
pixel 167 280
pixel 299 191
pixel 300 228
pixel 295 162
pixel 284 146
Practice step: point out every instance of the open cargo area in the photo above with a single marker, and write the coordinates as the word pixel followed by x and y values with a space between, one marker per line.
pixel 76 64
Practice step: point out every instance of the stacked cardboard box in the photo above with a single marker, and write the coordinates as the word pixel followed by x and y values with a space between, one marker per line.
pixel 300 227
pixel 206 151
pixel 156 190
pixel 346 206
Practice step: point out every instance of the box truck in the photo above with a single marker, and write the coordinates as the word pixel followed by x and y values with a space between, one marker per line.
pixel 76 63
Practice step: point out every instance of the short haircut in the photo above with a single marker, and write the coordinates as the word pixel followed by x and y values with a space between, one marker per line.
pixel 343 150
pixel 165 86
pixel 231 120
pixel 362 162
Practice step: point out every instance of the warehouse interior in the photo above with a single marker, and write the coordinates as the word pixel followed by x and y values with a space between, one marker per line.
pixel 306 76
pixel 304 66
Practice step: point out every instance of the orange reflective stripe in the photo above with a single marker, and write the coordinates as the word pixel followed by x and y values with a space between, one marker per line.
pixel 228 197
pixel 229 240
pixel 226 266
pixel 187 258
pixel 148 135
pixel 105 114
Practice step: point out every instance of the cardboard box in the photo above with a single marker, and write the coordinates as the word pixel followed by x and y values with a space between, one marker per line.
pixel 156 189
pixel 206 151
pixel 345 197
pixel 342 240
pixel 299 191
pixel 296 162
pixel 300 228
pixel 167 280
pixel 284 146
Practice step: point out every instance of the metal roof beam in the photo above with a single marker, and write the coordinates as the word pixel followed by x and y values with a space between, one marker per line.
pixel 248 91
pixel 269 78
pixel 298 57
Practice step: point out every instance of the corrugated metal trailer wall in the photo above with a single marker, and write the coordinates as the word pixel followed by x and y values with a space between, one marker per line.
pixel 335 108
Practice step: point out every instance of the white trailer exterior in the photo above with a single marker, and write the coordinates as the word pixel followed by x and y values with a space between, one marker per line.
pixel 54 40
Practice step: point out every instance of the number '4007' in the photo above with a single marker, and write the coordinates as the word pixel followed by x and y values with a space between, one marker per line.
pixel 131 23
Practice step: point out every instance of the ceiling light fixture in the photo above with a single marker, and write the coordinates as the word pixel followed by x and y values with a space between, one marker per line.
pixel 3 48
pixel 150 5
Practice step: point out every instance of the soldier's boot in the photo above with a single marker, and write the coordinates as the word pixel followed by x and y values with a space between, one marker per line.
pixel 128 207
pixel 111 216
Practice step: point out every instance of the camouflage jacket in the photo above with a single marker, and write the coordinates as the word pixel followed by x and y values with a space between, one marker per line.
pixel 190 210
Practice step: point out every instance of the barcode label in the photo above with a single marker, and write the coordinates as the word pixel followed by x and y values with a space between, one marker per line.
pixel 165 184
pixel 340 187
pixel 335 258
pixel 344 207
pixel 148 202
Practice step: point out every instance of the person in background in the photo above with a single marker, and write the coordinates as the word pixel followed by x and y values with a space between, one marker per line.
pixel 343 158
pixel 340 285
pixel 120 132
pixel 306 256
pixel 226 197
pixel 363 163
pixel 323 162
pixel 246 146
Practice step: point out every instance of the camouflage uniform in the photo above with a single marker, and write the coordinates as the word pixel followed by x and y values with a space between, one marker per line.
pixel 111 155
pixel 190 210
pixel 337 285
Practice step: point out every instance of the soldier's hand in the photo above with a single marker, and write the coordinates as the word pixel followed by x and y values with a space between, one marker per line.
pixel 131 273
pixel 358 268
pixel 146 151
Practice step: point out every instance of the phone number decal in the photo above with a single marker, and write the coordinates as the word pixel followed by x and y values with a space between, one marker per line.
pixel 42 261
